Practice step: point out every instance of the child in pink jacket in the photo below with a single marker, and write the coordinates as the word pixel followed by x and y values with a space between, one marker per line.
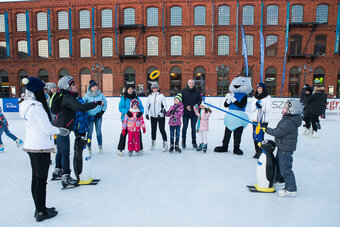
pixel 133 125
pixel 202 126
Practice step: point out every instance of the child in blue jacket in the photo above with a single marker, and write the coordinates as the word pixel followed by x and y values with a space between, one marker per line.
pixel 4 129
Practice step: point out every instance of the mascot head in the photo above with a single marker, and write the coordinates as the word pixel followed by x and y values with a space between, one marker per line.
pixel 240 84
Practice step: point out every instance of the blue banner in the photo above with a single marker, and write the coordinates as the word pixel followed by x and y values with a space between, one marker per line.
pixel 262 55
pixel 28 36
pixel 261 17
pixel 8 52
pixel 70 29
pixel 286 48
pixel 93 34
pixel 10 105
pixel 337 36
pixel 237 28
pixel 244 48
pixel 49 32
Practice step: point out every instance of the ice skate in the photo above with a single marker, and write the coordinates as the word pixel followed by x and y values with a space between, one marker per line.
pixel 68 182
pixel 100 149
pixel 285 193
pixel 120 153
pixel 205 147
pixel 89 149
pixel 152 145
pixel 172 148
pixel 177 148
pixel 2 149
pixel 165 146
pixel 130 153
pixel 183 144
pixel 307 132
pixel 19 142
pixel 45 215
pixel 194 144
pixel 200 147
pixel 313 135
pixel 57 174
pixel 49 209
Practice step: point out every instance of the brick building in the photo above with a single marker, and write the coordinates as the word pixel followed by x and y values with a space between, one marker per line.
pixel 122 42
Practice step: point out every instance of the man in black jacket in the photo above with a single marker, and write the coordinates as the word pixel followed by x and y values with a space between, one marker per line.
pixel 191 96
pixel 65 118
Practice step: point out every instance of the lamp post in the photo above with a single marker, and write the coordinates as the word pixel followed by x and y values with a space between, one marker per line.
pixel 98 69
pixel 223 71
pixel 305 67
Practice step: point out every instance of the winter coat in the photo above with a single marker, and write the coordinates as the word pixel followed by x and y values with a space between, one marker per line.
pixel 69 107
pixel 39 130
pixel 286 132
pixel 190 97
pixel 266 104
pixel 204 122
pixel 133 124
pixel 175 113
pixel 124 104
pixel 155 103
pixel 3 121
pixel 82 120
pixel 316 102
pixel 92 96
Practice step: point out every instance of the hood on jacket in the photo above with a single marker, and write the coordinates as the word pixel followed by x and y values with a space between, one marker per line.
pixel 296 118
pixel 319 89
pixel 24 106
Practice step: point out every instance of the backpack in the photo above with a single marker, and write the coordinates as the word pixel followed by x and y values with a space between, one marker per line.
pixel 55 102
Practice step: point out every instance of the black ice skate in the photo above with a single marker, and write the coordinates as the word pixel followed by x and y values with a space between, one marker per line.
pixel 57 174
pixel 205 147
pixel 46 215
pixel 177 148
pixel 183 143
pixel 200 147
pixel 68 182
pixel 172 148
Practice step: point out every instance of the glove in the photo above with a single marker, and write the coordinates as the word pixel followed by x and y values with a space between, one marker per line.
pixel 124 132
pixel 147 117
pixel 258 104
pixel 144 130
pixel 99 103
pixel 129 114
pixel 99 115
pixel 232 98
pixel 263 129
pixel 64 131
pixel 139 114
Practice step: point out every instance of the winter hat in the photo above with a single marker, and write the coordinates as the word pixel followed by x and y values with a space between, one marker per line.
pixel 179 97
pixel 65 82
pixel 92 84
pixel 134 102
pixel 49 86
pixel 130 85
pixel 33 84
pixel 154 85
pixel 293 106
pixel 263 85
pixel 309 88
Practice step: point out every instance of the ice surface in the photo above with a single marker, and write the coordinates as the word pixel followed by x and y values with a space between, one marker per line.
pixel 188 189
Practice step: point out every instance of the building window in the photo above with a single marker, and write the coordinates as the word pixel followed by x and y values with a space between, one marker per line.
pixel 176 16
pixel 42 21
pixel 223 45
pixel 129 16
pixel 107 47
pixel 152 17
pixel 84 19
pixel 175 80
pixel 249 45
pixel 320 45
pixel 130 45
pixel 176 45
pixel 199 12
pixel 295 45
pixel 199 45
pixel 129 77
pixel 64 50
pixel 4 84
pixel 297 14
pixel 318 77
pixel 43 48
pixel 223 15
pixel 3 50
pixel 2 23
pixel 271 45
pixel 43 75
pixel 248 15
pixel 152 46
pixel 21 22
pixel 63 72
pixel 322 14
pixel 62 20
pixel 199 78
pixel 106 18
pixel 85 48
pixel 272 15
pixel 22 49
pixel 271 81
pixel 294 82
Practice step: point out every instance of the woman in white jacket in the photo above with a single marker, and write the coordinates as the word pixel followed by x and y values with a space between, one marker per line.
pixel 156 108
pixel 38 142
pixel 261 107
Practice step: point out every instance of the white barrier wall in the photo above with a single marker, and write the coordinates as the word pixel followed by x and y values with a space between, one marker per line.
pixel 332 111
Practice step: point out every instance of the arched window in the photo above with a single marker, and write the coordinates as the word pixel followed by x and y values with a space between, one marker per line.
pixel 149 80
pixel 199 78
pixel 152 16
pixel 322 14
pixel 250 45
pixel 21 22
pixel 4 84
pixel 175 80
pixel 130 45
pixel 320 45
pixel 294 82
pixel 107 78
pixel 3 54
pixel 199 12
pixel 107 47
pixel 223 45
pixel 106 18
pixel 62 20
pixel 152 46
pixel 318 77
pixel 248 15
pixel 42 21
pixel 22 49
pixel 64 50
pixel 223 15
pixel 222 80
pixel 22 74
pixel 43 49
pixel 297 14
pixel 199 45
pixel 176 16
pixel 295 44
pixel 129 16
pixel 176 45
pixel 84 19
pixel 129 77
pixel 63 72
pixel 85 48
pixel 271 81
pixel 271 45
pixel 43 75
pixel 272 15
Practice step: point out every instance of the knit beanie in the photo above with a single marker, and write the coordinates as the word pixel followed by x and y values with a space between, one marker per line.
pixel 154 85
pixel 92 84
pixel 179 97
pixel 134 102
pixel 263 85
pixel 33 84
pixel 49 86
pixel 65 82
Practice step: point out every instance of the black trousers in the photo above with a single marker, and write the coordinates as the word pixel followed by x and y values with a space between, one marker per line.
pixel 257 148
pixel 237 137
pixel 312 119
pixel 122 141
pixel 40 163
pixel 161 126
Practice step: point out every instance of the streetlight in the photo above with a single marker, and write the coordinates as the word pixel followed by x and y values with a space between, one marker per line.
pixel 223 71
pixel 98 69
pixel 305 67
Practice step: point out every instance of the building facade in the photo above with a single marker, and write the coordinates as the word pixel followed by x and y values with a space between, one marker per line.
pixel 123 42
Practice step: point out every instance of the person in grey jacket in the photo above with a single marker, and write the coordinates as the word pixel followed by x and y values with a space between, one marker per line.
pixel 286 134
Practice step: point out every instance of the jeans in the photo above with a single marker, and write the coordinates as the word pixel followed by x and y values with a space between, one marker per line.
pixel 161 122
pixel 284 160
pixel 62 159
pixel 98 123
pixel 172 133
pixel 8 133
pixel 185 126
